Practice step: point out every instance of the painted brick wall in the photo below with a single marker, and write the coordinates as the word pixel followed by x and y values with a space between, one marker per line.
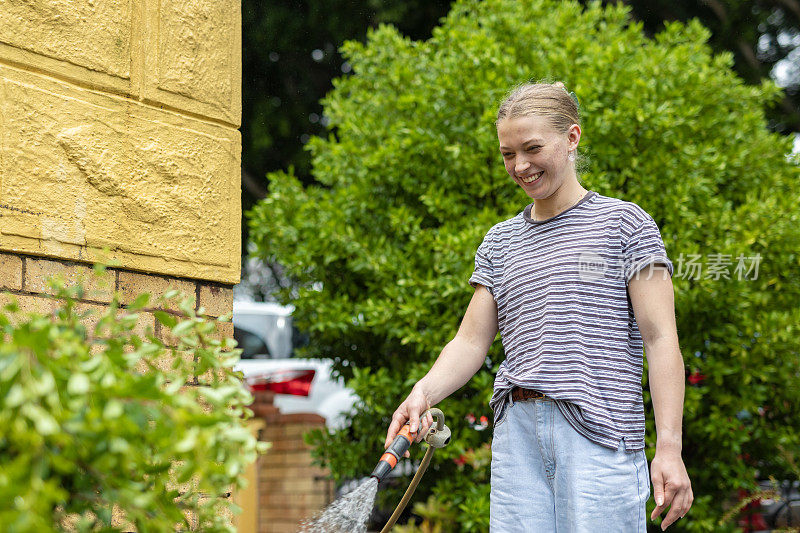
pixel 119 134
pixel 120 144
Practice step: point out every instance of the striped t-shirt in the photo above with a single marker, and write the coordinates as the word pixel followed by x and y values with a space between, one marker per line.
pixel 564 314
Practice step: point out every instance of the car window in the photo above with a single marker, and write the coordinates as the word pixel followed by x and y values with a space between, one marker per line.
pixel 253 347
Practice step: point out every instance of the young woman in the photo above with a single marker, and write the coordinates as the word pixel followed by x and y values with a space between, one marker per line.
pixel 577 285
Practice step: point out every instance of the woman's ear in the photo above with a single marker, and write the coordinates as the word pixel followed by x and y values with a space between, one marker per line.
pixel 574 136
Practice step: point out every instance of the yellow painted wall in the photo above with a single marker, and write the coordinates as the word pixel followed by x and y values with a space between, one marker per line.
pixel 118 130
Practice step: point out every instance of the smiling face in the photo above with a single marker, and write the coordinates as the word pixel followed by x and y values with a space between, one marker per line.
pixel 536 155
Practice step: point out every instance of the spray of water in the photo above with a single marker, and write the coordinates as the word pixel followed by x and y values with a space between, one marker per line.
pixel 348 514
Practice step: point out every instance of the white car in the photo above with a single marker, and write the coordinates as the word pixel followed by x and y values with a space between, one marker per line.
pixel 265 334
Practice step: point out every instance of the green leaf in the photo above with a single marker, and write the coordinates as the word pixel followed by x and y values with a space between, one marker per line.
pixel 172 293
pixel 140 302
pixel 113 409
pixel 166 319
pixel 183 328
pixel 78 384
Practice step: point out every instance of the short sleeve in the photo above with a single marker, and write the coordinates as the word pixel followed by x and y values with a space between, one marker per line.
pixel 484 271
pixel 642 244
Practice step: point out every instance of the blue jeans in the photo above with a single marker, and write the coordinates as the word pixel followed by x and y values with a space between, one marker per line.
pixel 547 477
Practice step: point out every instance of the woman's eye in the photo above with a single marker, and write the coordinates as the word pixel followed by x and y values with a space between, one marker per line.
pixel 532 148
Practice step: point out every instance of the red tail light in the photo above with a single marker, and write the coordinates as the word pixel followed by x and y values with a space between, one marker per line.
pixel 296 382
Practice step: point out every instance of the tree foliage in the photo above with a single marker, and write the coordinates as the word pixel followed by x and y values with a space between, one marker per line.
pixel 759 33
pixel 98 426
pixel 283 81
pixel 411 179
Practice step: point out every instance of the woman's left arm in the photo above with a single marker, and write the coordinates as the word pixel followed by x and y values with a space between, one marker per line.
pixel 653 302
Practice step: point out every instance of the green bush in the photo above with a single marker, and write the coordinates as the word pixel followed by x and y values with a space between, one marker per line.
pixel 410 179
pixel 95 420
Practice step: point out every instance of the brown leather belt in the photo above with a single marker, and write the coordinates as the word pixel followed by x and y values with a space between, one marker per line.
pixel 518 394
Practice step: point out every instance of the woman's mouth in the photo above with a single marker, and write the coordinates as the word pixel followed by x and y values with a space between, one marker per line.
pixel 532 178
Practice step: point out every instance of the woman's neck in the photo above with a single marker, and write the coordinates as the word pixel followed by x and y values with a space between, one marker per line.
pixel 561 200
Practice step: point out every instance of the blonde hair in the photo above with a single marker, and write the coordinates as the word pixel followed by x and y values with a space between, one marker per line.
pixel 548 100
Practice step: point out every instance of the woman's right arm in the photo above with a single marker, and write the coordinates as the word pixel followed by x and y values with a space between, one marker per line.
pixel 459 361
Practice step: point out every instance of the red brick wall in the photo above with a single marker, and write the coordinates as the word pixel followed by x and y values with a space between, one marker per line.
pixel 290 488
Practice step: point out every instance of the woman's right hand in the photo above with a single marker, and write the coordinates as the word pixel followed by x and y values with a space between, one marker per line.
pixel 410 411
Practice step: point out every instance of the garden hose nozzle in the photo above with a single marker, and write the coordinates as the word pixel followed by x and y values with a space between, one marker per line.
pixel 437 437
pixel 393 453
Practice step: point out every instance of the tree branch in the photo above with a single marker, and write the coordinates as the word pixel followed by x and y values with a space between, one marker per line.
pixel 749 55
pixel 718 9
pixel 252 186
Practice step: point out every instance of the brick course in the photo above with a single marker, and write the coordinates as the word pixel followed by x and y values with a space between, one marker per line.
pixel 37 272
pixel 10 272
pixel 131 284
pixel 28 303
pixel 214 298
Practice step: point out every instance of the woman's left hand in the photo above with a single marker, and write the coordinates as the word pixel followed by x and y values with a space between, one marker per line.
pixel 671 487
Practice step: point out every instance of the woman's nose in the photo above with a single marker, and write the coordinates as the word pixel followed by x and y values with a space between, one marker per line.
pixel 523 166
